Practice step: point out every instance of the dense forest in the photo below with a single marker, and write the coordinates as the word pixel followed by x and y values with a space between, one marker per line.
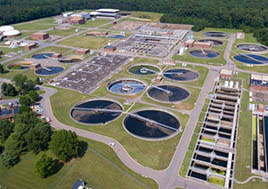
pixel 251 16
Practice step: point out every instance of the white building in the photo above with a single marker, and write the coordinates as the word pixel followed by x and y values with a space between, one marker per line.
pixel 67 14
pixel 110 13
pixel 84 15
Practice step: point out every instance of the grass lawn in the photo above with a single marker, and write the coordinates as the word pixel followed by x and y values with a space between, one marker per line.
pixel 189 153
pixel 95 23
pixel 150 16
pixel 99 167
pixel 83 41
pixel 33 26
pixel 218 61
pixel 63 33
pixel 156 154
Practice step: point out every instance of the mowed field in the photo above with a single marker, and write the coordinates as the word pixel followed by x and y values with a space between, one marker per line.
pixel 99 167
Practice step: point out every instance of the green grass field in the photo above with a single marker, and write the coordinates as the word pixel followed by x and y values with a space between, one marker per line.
pixel 83 41
pixel 99 167
pixel 94 23
pixel 63 33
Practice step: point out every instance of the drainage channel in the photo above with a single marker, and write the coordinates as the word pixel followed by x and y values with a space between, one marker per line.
pixel 214 154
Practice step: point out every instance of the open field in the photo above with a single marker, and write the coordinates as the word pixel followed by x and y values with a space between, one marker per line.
pixel 94 23
pixel 83 41
pixel 99 167
pixel 63 33
pixel 33 26
pixel 147 16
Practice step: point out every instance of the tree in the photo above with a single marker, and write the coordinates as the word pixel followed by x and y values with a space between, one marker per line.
pixel 24 108
pixel 38 81
pixel 23 84
pixel 25 101
pixel 45 166
pixel 34 95
pixel 6 128
pixel 2 70
pixel 64 144
pixel 9 159
pixel 38 137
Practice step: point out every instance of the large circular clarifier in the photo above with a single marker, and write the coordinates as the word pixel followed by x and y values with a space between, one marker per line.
pixel 204 53
pixel 96 112
pixel 143 70
pixel 213 41
pixel 49 70
pixel 251 59
pixel 215 34
pixel 168 93
pixel 151 124
pixel 126 86
pixel 252 47
pixel 42 55
pixel 181 74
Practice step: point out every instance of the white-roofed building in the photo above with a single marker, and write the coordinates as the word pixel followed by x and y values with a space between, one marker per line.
pixel 11 33
pixel 107 13
pixel 6 28
pixel 108 10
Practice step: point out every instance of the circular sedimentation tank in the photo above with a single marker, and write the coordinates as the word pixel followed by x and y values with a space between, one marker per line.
pixel 19 65
pixel 204 53
pixel 181 74
pixel 151 124
pixel 126 86
pixel 251 59
pixel 70 59
pixel 168 93
pixel 98 111
pixel 215 34
pixel 143 69
pixel 49 70
pixel 213 41
pixel 257 48
pixel 115 36
pixel 42 55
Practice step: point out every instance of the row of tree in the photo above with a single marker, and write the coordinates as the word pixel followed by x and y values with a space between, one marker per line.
pixel 242 14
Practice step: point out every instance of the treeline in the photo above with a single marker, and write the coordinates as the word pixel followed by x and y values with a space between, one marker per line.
pixel 251 16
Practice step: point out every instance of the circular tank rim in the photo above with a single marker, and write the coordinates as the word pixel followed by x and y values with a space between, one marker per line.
pixel 167 102
pixel 260 52
pixel 204 57
pixel 70 58
pixel 51 74
pixel 95 99
pixel 183 69
pixel 140 64
pixel 225 33
pixel 18 63
pixel 249 65
pixel 215 39
pixel 151 139
pixel 116 80
pixel 48 52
